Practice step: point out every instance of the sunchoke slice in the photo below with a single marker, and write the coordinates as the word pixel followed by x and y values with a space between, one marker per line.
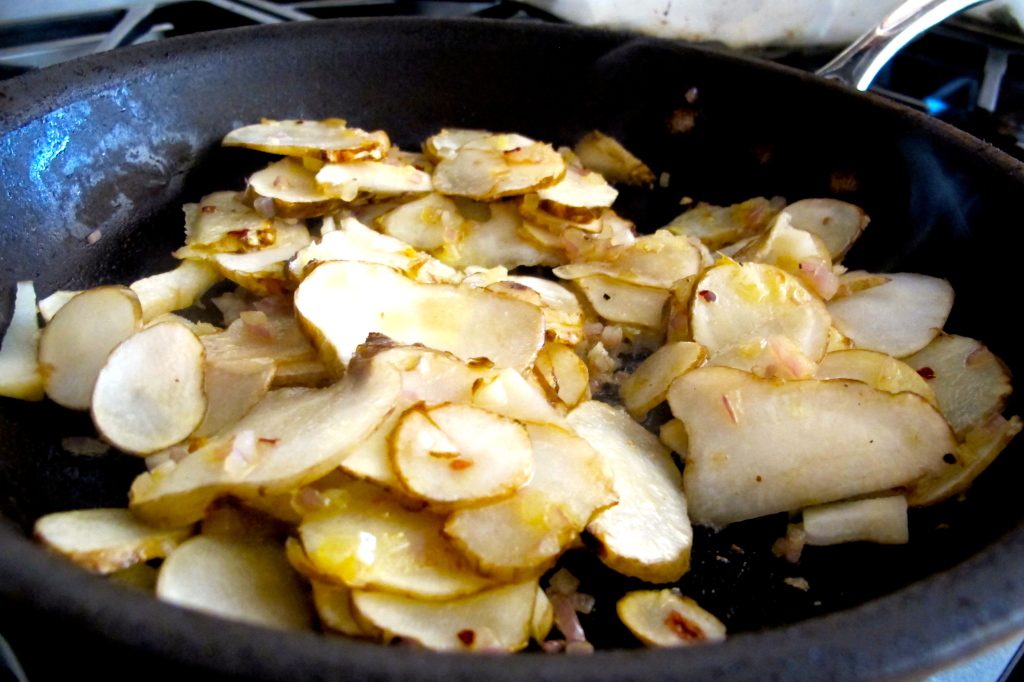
pixel 232 389
pixel 512 396
pixel 498 619
pixel 879 519
pixel 290 438
pixel 348 181
pixel 606 155
pixel 176 289
pixel 647 386
pixel 525 534
pixel 244 581
pixel 364 538
pixel 469 323
pixel 618 301
pixel 150 394
pixel 19 362
pixel 563 312
pixel 426 224
pixel 73 348
pixel 263 271
pixel 444 144
pixel 106 540
pixel 899 317
pixel 499 166
pixel 259 336
pixel 655 260
pixel 292 188
pixel 666 618
pixel 877 370
pixel 796 251
pixel 756 446
pixel 329 140
pixel 334 606
pixel 970 383
pixel 571 375
pixel 760 319
pixel 497 242
pixel 647 535
pixel 49 306
pixel 720 226
pixel 837 223
pixel 222 223
pixel 457 455
pixel 580 188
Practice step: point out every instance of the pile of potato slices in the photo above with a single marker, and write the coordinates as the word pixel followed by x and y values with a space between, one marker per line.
pixel 392 435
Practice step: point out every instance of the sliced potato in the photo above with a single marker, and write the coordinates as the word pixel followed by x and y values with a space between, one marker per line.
pixel 259 336
pixel 444 144
pixel 149 395
pixel 879 519
pixel 899 317
pixel 647 535
pixel 720 226
pixel 525 534
pixel 222 223
pixel 496 620
pixel 758 318
pixel 175 289
pixel 858 280
pixel 73 348
pixel 512 396
pixel 458 456
pixel 877 370
pixel 756 446
pixel 606 155
pixel 617 301
pixel 666 618
pixel 19 363
pixel 543 617
pixel 349 181
pixel 328 139
pixel 837 223
pixel 292 189
pixel 106 540
pixel 49 306
pixel 647 386
pixel 796 251
pixel 263 271
pixel 580 188
pixel 655 260
pixel 426 224
pixel 971 384
pixel 563 313
pixel 837 341
pixel 673 435
pixel 498 166
pixel 981 445
pixel 232 389
pixel 233 520
pixel 290 438
pixel 334 606
pixel 571 375
pixel 470 323
pixel 244 581
pixel 497 242
pixel 364 538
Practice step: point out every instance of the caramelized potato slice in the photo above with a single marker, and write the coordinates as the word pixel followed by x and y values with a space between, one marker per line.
pixel 329 140
pixel 73 348
pixel 497 241
pixel 222 223
pixel 563 313
pixel 647 535
pixel 756 446
pixel 264 271
pixel 647 386
pixel 244 581
pixel 427 223
pixel 292 190
pixel 259 336
pixel 666 618
pixel 499 166
pixel 334 606
pixel 365 539
pixel 606 155
pixel 470 323
pixel 498 619
pixel 106 540
pixel 580 188
pixel 19 363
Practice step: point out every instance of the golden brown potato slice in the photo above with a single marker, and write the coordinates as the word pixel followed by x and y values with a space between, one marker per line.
pixel 222 223
pixel 981 445
pixel 264 271
pixel 525 534
pixel 175 289
pixel 426 224
pixel 369 179
pixel 666 618
pixel 720 226
pixel 580 188
pixel 606 155
pixel 647 535
pixel 756 446
pixel 232 389
pixel 572 379
pixel 291 189
pixel 837 223
pixel 328 139
pixel 106 540
pixel 899 317
pixel 290 438
pixel 19 363
pixel 365 539
pixel 655 260
pixel 647 386
pixel 459 456
pixel 618 301
pixel 250 582
pixel 467 322
pixel 879 519
pixel 496 620
pixel 73 348
pixel 444 144
pixel 149 394
pixel 495 242
pixel 970 383
pixel 499 166
pixel 877 370
pixel 758 318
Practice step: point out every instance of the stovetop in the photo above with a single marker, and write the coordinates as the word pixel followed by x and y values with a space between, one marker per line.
pixel 968 73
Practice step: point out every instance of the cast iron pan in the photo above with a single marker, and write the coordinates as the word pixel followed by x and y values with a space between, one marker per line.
pixel 118 142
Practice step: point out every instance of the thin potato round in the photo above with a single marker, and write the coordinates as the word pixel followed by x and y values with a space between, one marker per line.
pixel 878 370
pixel 329 140
pixel 666 618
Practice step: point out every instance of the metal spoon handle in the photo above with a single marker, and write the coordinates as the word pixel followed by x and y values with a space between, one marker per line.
pixel 858 64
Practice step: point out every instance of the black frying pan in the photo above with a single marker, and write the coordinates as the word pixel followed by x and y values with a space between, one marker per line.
pixel 119 141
